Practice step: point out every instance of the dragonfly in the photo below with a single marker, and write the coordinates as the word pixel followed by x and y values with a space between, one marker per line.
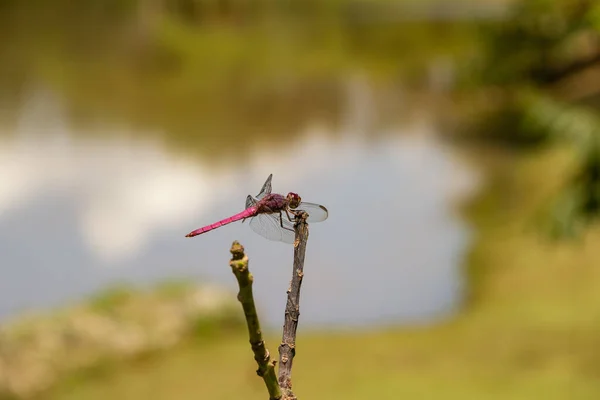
pixel 271 215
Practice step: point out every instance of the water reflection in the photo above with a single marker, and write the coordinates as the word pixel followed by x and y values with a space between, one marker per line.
pixel 78 212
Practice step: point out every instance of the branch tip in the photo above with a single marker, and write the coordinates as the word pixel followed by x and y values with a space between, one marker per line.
pixel 237 250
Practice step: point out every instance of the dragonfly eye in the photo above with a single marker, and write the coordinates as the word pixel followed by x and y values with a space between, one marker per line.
pixel 293 200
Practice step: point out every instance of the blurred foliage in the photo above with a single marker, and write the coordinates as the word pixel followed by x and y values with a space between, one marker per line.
pixel 111 299
pixel 539 79
pixel 541 42
pixel 183 69
pixel 579 200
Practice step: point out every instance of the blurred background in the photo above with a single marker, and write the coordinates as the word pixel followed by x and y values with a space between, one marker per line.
pixel 456 144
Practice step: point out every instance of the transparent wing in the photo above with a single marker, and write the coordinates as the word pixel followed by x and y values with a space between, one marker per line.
pixel 266 189
pixel 269 226
pixel 316 212
pixel 250 201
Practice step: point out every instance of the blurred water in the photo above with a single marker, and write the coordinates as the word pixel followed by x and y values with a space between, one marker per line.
pixel 82 210
pixel 123 130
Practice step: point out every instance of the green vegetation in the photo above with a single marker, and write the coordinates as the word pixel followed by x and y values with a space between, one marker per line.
pixel 539 83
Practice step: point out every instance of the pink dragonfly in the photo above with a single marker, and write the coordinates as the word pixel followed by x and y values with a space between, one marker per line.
pixel 271 215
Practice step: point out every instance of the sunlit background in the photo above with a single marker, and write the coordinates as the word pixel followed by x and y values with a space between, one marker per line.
pixel 456 145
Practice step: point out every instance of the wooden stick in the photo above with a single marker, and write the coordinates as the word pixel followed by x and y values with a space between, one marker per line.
pixel 287 349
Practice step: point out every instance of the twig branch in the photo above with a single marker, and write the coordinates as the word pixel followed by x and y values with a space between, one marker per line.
pixel 278 388
pixel 287 349
pixel 266 367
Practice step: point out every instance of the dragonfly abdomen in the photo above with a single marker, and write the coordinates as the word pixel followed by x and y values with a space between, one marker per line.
pixel 247 213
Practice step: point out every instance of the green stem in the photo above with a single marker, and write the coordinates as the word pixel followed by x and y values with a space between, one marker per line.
pixel 266 367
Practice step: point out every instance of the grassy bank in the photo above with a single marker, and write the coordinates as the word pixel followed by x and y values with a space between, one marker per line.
pixel 530 331
pixel 116 327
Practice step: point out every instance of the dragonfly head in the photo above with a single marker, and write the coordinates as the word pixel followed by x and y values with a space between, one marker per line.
pixel 293 200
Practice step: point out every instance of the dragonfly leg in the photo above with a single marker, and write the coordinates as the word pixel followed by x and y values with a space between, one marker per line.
pixel 281 221
pixel 296 242
pixel 288 215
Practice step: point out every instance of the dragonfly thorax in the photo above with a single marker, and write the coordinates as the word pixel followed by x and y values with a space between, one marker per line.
pixel 293 200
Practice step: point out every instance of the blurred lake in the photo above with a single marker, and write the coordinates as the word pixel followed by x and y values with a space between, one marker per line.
pixel 116 140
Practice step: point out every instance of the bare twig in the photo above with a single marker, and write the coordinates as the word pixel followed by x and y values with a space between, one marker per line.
pixel 266 367
pixel 287 349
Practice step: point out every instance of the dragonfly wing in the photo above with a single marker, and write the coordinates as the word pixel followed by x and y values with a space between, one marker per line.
pixel 250 201
pixel 266 189
pixel 269 226
pixel 316 212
